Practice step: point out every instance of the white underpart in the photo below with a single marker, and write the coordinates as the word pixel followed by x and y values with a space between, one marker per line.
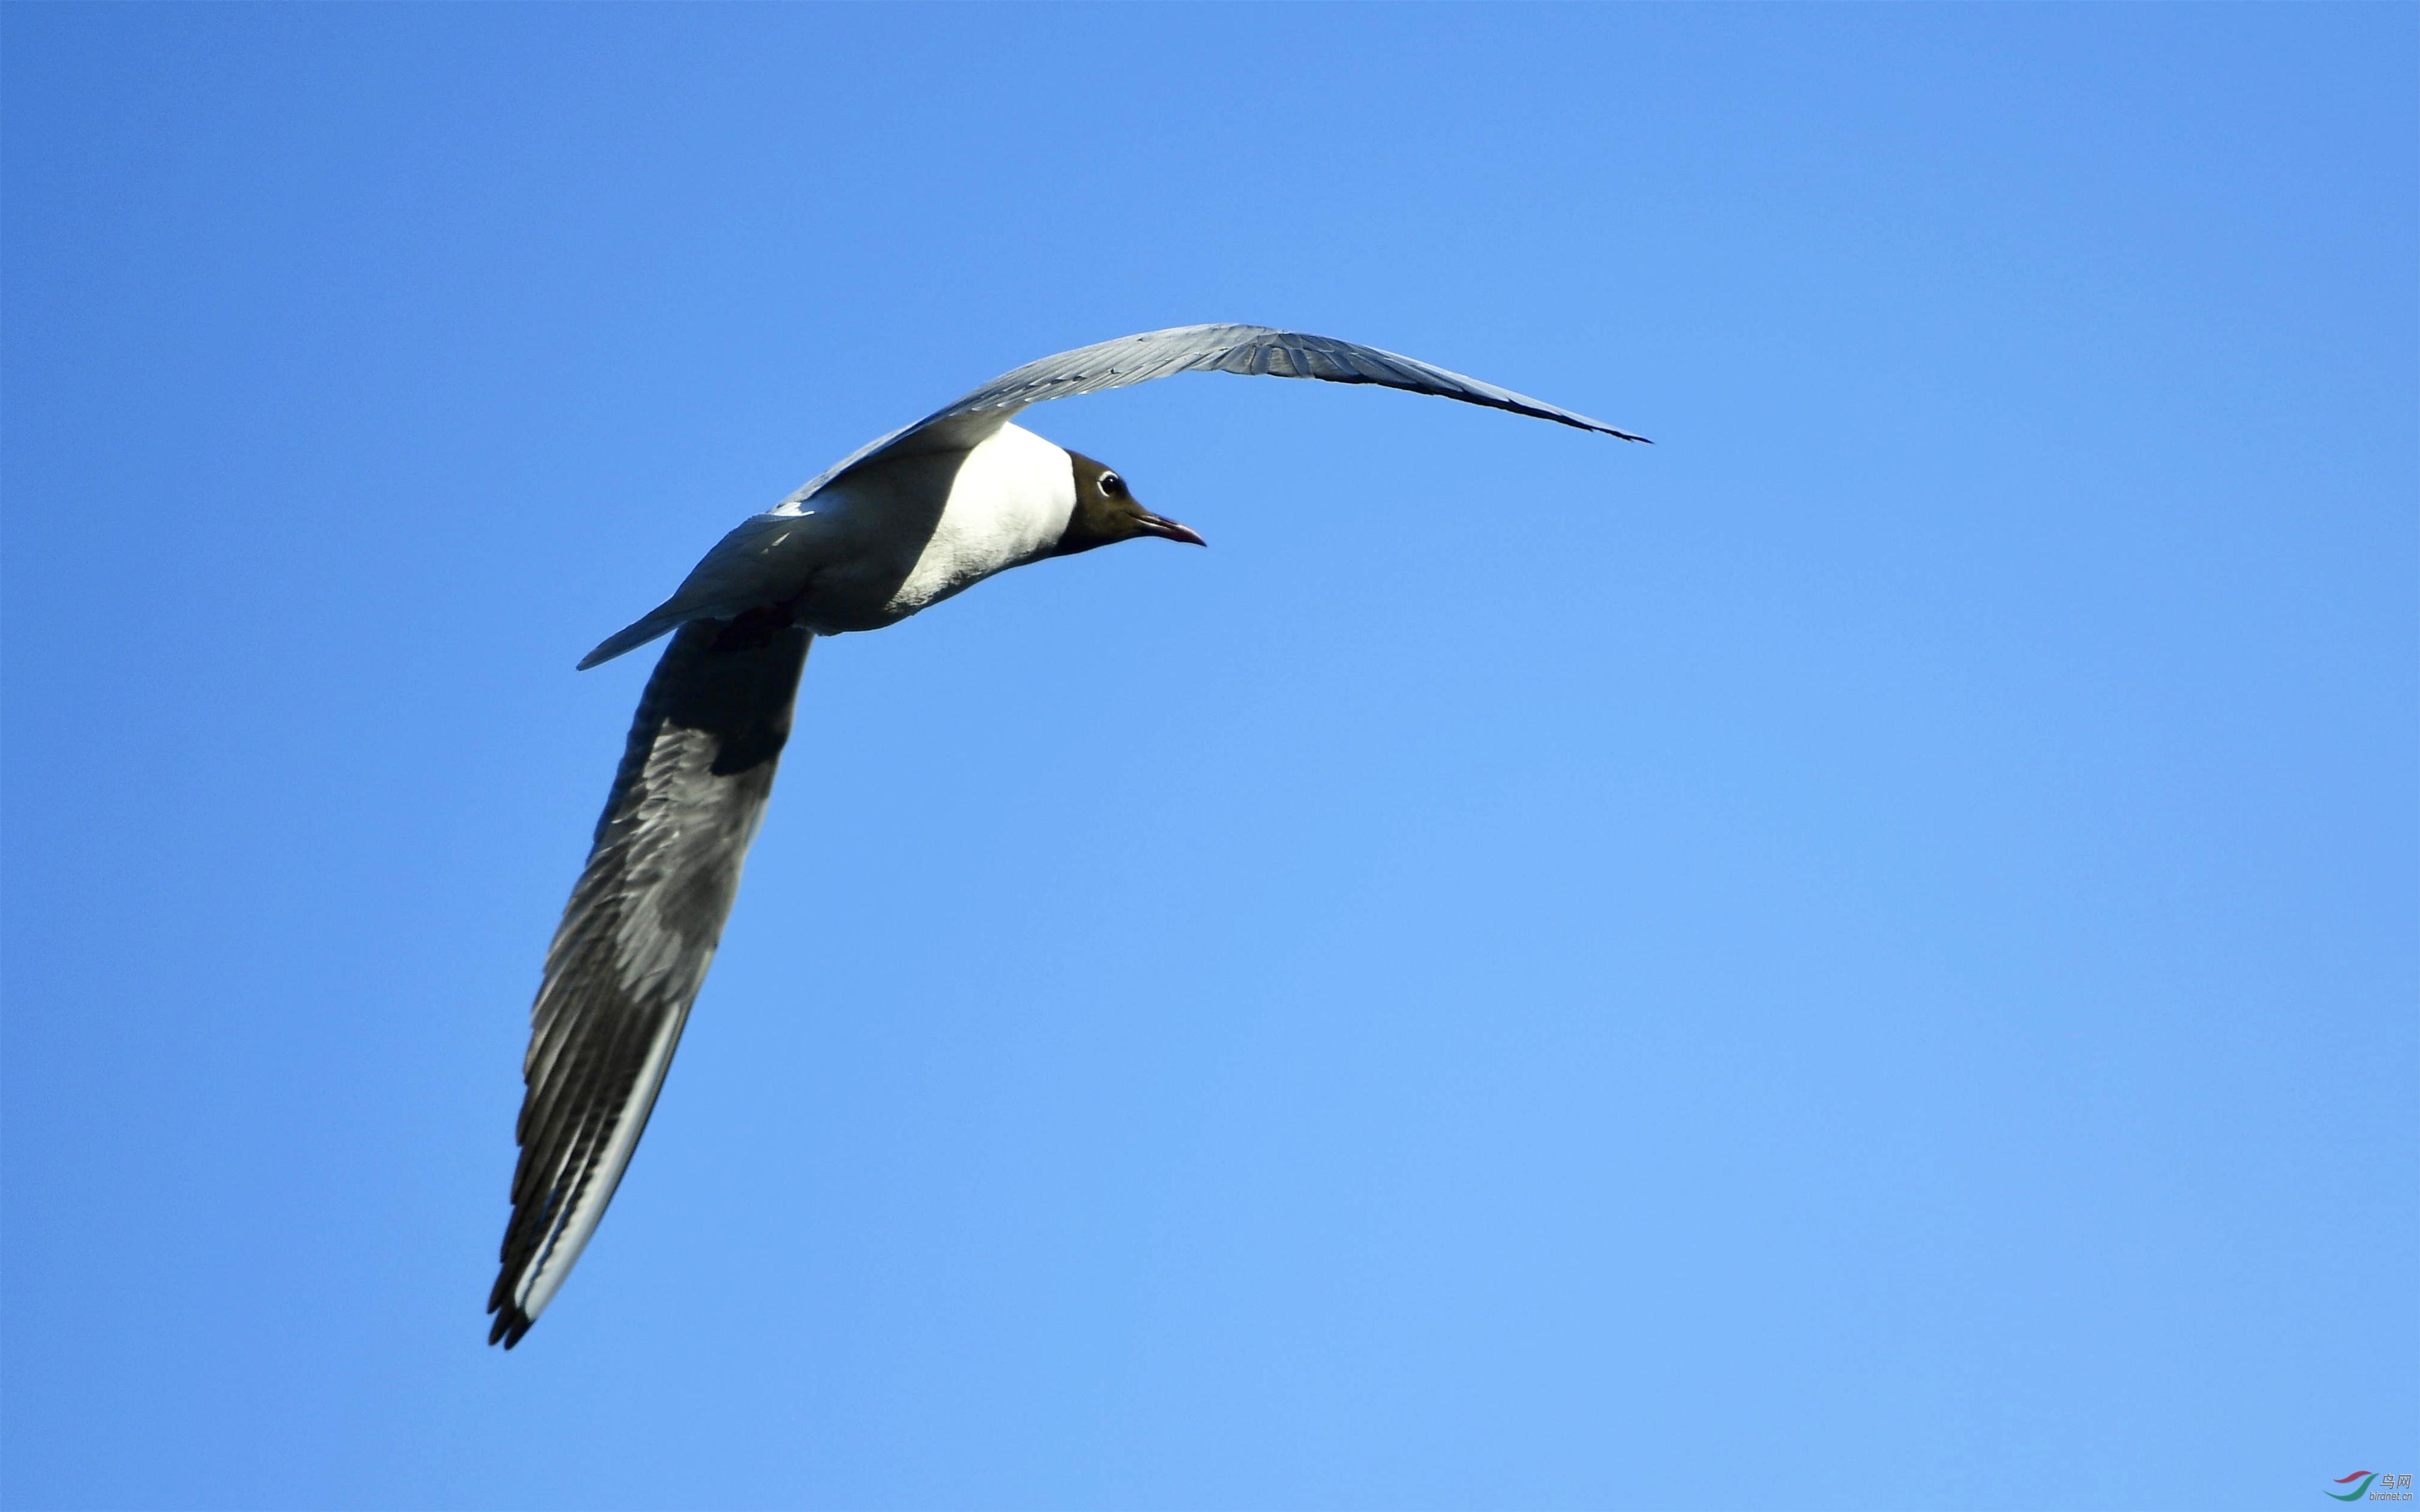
pixel 1008 504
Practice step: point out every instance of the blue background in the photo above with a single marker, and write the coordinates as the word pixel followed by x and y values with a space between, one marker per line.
pixel 1862 955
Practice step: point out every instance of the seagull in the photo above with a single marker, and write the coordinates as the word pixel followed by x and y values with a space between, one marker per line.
pixel 900 524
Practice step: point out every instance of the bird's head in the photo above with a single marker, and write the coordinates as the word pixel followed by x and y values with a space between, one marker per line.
pixel 1107 512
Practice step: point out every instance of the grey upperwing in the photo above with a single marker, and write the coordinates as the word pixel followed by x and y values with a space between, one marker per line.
pixel 637 934
pixel 1255 350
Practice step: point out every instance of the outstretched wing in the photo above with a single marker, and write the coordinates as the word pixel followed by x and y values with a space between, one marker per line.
pixel 1154 354
pixel 1109 364
pixel 637 934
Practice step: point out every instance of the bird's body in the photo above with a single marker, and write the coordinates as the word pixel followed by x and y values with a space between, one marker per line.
pixel 893 537
pixel 901 524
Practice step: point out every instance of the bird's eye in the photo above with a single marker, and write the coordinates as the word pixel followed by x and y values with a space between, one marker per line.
pixel 1113 486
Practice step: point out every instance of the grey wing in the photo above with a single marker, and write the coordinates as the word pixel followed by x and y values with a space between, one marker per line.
pixel 1225 349
pixel 638 936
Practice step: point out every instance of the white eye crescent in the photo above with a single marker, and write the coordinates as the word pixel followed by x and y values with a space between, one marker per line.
pixel 1113 485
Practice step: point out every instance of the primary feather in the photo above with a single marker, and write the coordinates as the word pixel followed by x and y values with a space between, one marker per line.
pixel 637 936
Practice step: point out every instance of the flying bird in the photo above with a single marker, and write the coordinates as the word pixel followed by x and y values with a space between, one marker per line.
pixel 900 524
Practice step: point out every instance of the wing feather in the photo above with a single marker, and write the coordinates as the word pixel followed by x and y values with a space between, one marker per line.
pixel 1254 351
pixel 637 936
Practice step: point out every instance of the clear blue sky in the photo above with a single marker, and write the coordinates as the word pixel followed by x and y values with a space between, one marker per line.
pixel 1861 956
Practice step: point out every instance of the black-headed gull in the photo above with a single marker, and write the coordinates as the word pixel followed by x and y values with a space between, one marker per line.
pixel 902 523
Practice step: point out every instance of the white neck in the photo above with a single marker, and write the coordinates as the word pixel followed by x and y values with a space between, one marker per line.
pixel 1009 505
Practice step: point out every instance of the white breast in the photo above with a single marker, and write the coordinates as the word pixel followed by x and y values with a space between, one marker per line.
pixel 1008 504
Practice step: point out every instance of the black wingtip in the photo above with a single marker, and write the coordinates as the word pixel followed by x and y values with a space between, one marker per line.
pixel 1560 417
pixel 510 1324
pixel 1600 429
